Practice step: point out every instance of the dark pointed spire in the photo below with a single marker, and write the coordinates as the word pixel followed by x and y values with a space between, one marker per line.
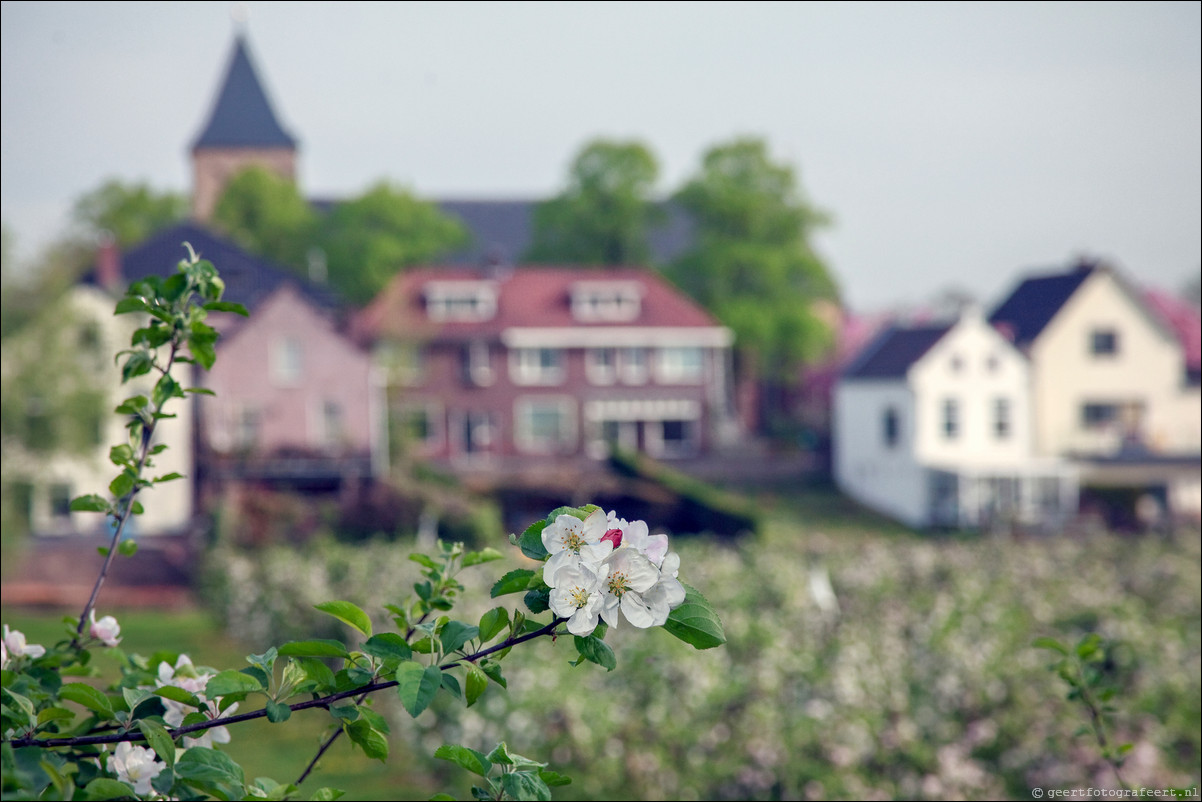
pixel 242 115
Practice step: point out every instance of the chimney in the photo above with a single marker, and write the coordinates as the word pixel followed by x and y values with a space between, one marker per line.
pixel 108 263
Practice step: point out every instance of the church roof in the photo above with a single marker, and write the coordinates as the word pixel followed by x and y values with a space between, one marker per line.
pixel 242 117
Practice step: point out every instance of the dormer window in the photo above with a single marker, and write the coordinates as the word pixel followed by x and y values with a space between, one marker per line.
pixel 606 301
pixel 461 301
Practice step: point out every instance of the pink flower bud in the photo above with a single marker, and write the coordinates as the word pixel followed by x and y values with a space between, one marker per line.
pixel 614 536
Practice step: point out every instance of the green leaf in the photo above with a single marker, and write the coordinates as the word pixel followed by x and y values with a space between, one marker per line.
pixel 165 389
pixel 121 455
pixel 277 711
pixel 596 651
pixel 90 503
pixel 554 778
pixel 476 683
pixel 121 485
pixel 87 696
pixel 515 581
pixel 105 788
pixel 127 547
pixel 695 621
pixel 347 613
pixel 424 559
pixel 538 601
pixel 159 739
pixel 465 758
pixel 525 785
pixel 371 741
pixel 492 622
pixel 455 634
pixel 139 363
pixel 168 477
pixel 230 681
pixel 485 555
pixel 417 685
pixel 176 694
pixel 49 714
pixel 531 542
pixel 211 771
pixel 387 646
pixel 227 306
pixel 493 671
pixel 327 794
pixel 1050 643
pixel 131 304
pixel 314 648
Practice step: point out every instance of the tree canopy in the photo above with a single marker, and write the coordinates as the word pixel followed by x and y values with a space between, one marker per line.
pixel 364 241
pixel 265 213
pixel 604 214
pixel 129 213
pixel 752 263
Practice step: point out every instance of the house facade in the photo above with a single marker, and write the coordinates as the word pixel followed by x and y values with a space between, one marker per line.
pixel 493 369
pixel 54 479
pixel 933 426
pixel 1110 385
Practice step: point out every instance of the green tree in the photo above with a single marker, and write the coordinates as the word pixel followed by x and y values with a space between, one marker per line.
pixel 753 264
pixel 604 214
pixel 369 239
pixel 265 213
pixel 128 212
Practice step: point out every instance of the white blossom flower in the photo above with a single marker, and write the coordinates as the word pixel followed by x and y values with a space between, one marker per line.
pixel 15 646
pixel 579 595
pixel 185 675
pixel 636 535
pixel 106 630
pixel 135 765
pixel 571 541
pixel 630 581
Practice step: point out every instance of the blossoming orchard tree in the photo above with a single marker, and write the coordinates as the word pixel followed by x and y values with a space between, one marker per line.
pixel 165 727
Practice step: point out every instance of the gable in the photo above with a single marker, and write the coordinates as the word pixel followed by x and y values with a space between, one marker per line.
pixel 893 351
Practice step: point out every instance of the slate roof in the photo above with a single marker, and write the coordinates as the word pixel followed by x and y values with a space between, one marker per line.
pixel 242 117
pixel 503 230
pixel 527 297
pixel 1032 305
pixel 893 351
pixel 249 279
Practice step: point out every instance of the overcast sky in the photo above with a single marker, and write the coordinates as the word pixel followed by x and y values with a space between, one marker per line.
pixel 955 145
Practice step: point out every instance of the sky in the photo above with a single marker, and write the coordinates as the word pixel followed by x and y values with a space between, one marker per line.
pixel 955 146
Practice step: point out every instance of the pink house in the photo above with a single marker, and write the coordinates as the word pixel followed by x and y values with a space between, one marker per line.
pixel 506 368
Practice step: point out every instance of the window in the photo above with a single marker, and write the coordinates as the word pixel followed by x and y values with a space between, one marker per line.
pixel 678 438
pixel 951 419
pixel 288 361
pixel 477 432
pixel 332 426
pixel 1099 415
pixel 60 500
pixel 992 363
pixel 460 301
pixel 890 428
pixel 477 364
pixel 545 425
pixel 600 365
pixel 632 365
pixel 537 366
pixel 245 427
pixel 680 365
pixel 1104 342
pixel 605 301
pixel 956 363
pixel 1001 418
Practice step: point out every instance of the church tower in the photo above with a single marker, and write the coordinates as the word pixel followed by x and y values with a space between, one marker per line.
pixel 241 131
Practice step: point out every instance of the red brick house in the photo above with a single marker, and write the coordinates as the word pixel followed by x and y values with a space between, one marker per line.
pixel 504 367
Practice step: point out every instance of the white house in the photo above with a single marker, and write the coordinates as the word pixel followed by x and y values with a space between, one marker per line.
pixel 57 478
pixel 1109 384
pixel 933 426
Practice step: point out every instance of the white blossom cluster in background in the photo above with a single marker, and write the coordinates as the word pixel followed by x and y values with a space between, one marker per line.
pixel 193 680
pixel 605 567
